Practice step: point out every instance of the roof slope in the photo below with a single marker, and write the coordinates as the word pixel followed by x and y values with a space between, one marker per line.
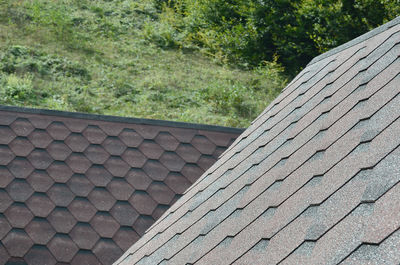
pixel 81 189
pixel 314 180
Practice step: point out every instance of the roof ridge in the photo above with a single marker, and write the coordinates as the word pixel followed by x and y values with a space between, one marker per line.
pixel 121 119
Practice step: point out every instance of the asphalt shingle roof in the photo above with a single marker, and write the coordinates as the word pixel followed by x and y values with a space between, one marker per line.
pixel 314 180
pixel 81 189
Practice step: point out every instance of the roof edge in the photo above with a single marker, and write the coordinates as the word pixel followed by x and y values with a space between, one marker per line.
pixel 357 40
pixel 109 118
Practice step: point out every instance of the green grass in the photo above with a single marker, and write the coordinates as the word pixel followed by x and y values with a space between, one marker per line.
pixel 116 58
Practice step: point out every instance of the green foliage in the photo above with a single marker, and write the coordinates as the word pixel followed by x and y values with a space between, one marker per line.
pixel 19 59
pixel 208 61
pixel 124 58
pixel 325 24
pixel 251 31
pixel 16 90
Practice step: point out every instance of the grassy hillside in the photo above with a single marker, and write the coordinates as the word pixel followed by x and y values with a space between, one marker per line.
pixel 113 57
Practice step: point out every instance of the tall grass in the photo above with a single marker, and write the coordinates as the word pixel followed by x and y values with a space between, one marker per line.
pixel 117 57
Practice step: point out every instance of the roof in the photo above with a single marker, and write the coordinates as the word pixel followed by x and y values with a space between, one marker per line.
pixel 81 189
pixel 314 180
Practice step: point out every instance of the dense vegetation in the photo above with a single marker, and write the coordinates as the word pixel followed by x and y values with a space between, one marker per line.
pixel 251 31
pixel 208 61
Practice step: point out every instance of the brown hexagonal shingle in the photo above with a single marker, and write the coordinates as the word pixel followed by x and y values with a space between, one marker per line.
pixel 76 142
pixel 40 204
pixel 155 170
pixel 6 177
pixel 203 144
pixel 107 251
pixel 160 192
pixel 40 181
pixel 38 255
pixel 125 237
pixel 59 171
pixel 98 175
pixel 97 154
pixel 40 159
pixel 17 242
pixel 177 182
pixel 151 149
pixel 6 135
pixel 62 220
pixel 40 231
pixel 82 209
pixel 142 223
pixel 102 199
pixel 4 256
pixel 124 213
pixel 19 190
pixel 84 235
pixel 159 211
pixel 143 203
pixel 131 138
pixel 104 224
pixel 80 189
pixel 59 150
pixel 120 189
pixel 20 167
pixel 138 179
pixel 172 161
pixel 80 185
pixel 40 138
pixel 134 157
pixel 94 134
pixel 78 163
pixel 5 200
pixel 22 127
pixel 117 166
pixel 206 161
pixel 58 131
pixel 60 194
pixel 62 247
pixel 190 171
pixel 84 257
pixel 114 146
pixel 167 141
pixel 6 155
pixel 188 153
pixel 5 226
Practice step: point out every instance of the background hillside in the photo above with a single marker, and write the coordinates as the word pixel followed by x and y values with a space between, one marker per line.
pixel 210 61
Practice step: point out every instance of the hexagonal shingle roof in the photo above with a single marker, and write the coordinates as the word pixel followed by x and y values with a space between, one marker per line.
pixel 314 180
pixel 80 189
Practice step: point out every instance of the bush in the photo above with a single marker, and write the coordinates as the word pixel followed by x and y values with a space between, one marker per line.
pixel 16 90
pixel 252 31
pixel 19 59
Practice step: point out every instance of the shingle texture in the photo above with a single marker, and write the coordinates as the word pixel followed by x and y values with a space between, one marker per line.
pixel 314 180
pixel 81 189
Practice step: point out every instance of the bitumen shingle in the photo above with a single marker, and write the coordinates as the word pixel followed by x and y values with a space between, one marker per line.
pixel 314 180
pixel 81 189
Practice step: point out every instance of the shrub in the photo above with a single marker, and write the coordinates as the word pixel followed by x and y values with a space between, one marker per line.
pixel 16 90
pixel 252 31
pixel 19 59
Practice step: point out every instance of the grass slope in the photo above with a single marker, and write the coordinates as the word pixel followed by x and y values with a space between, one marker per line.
pixel 105 57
